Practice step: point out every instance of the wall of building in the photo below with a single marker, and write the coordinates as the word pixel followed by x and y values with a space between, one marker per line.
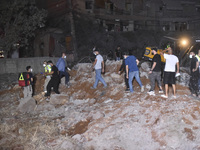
pixel 17 65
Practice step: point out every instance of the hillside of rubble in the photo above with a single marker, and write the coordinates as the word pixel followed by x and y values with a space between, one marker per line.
pixel 81 118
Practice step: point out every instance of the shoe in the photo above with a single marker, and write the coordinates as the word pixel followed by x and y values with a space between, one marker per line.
pixel 127 90
pixel 57 92
pixel 142 89
pixel 92 88
pixel 105 87
pixel 151 93
pixel 47 99
pixel 164 96
pixel 174 96
pixel 161 91
pixel 68 85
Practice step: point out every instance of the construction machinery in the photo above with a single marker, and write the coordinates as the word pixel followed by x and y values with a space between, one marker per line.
pixel 149 56
pixel 182 47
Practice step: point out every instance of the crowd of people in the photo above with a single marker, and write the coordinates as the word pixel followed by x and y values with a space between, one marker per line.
pixel 54 73
pixel 171 71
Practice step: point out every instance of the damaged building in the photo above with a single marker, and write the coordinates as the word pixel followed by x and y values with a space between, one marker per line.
pixel 129 15
pixel 119 16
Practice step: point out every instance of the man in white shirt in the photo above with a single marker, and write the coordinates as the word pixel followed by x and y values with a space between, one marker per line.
pixel 98 65
pixel 171 64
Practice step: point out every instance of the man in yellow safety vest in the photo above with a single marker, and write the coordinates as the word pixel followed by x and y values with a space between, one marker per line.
pixel 47 69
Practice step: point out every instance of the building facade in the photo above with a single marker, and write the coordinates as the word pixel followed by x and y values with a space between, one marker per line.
pixel 132 15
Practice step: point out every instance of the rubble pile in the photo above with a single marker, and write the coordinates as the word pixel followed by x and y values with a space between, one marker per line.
pixel 81 118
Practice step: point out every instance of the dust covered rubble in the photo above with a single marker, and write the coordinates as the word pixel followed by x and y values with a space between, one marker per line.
pixel 82 118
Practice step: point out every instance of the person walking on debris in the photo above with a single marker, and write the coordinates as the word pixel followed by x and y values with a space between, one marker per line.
pixel 28 90
pixel 155 73
pixel 123 69
pixel 198 57
pixel 98 65
pixel 132 71
pixel 61 65
pixel 171 64
pixel 47 68
pixel 194 75
pixel 55 79
pixel 118 53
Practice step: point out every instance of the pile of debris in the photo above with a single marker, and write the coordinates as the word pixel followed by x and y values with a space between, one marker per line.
pixel 85 118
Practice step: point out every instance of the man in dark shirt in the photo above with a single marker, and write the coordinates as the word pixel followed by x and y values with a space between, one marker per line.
pixel 194 69
pixel 123 68
pixel 54 82
pixel 118 53
pixel 155 72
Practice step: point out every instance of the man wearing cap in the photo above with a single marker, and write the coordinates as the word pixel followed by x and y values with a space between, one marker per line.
pixel 155 72
pixel 98 65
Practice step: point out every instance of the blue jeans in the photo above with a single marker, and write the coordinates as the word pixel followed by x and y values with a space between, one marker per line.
pixel 117 58
pixel 131 75
pixel 99 77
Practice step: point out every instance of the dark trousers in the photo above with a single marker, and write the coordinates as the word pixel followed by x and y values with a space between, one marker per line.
pixel 66 74
pixel 193 85
pixel 126 81
pixel 54 82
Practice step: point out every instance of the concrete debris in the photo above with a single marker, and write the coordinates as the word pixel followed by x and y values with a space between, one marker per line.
pixel 81 118
pixel 27 105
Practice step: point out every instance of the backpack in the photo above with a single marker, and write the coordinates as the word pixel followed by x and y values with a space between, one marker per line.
pixel 24 79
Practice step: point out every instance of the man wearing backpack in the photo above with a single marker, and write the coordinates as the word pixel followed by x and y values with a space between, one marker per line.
pixel 28 90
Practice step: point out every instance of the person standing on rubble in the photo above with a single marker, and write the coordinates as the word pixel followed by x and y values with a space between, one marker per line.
pixel 194 75
pixel 198 57
pixel 47 68
pixel 55 79
pixel 98 65
pixel 123 69
pixel 155 73
pixel 118 53
pixel 28 90
pixel 132 71
pixel 61 65
pixel 170 71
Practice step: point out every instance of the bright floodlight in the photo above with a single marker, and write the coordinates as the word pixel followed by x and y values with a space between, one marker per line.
pixel 184 42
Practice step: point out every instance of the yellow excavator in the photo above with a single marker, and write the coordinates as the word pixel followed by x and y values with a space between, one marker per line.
pixel 182 49
pixel 149 56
